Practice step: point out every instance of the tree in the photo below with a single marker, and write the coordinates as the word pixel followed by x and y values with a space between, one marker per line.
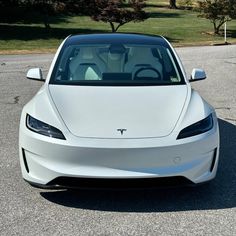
pixel 217 11
pixel 118 12
pixel 22 11
pixel 46 8
pixel 172 4
pixel 11 11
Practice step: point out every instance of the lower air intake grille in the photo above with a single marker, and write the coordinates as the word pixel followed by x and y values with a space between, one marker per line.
pixel 119 183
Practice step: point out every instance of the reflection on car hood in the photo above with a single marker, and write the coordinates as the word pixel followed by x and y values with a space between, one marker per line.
pixel 103 112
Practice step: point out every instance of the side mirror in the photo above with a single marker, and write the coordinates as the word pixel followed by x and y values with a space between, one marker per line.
pixel 197 74
pixel 35 74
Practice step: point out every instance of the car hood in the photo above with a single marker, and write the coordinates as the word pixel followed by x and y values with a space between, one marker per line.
pixel 103 112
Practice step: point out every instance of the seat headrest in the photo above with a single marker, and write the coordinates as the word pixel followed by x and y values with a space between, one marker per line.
pixel 117 49
pixel 86 53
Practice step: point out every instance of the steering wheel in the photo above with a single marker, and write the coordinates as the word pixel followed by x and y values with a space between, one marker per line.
pixel 158 74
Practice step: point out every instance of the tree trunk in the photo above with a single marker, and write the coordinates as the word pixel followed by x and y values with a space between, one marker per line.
pixel 46 21
pixel 216 29
pixel 218 26
pixel 172 4
pixel 113 30
pixel 118 26
pixel 47 25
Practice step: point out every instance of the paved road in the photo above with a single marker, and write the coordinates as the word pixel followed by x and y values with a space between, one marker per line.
pixel 205 210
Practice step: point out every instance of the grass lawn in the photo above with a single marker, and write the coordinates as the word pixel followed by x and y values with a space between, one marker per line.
pixel 181 27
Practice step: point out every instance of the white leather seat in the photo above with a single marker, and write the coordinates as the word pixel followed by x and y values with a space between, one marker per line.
pixel 141 57
pixel 86 65
pixel 114 58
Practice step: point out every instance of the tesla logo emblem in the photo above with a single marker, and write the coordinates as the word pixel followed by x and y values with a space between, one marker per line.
pixel 121 131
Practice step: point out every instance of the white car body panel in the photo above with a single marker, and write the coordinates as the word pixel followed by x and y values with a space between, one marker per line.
pixel 89 117
pixel 98 112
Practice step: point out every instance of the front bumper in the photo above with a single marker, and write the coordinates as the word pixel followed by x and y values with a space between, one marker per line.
pixel 45 159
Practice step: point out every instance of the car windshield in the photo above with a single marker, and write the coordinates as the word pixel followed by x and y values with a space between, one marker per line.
pixel 116 64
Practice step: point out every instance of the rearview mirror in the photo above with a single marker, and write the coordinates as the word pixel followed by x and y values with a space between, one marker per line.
pixel 35 74
pixel 197 74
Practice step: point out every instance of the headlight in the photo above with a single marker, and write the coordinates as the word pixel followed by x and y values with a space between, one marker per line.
pixel 200 127
pixel 43 128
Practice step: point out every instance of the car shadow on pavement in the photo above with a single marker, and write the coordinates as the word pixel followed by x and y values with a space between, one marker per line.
pixel 218 194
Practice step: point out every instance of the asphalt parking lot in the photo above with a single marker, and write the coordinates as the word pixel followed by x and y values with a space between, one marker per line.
pixel 205 210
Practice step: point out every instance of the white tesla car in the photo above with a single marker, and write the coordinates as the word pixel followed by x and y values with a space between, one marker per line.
pixel 117 107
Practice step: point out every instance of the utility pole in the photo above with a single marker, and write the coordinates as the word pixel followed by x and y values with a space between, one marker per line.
pixel 225 33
